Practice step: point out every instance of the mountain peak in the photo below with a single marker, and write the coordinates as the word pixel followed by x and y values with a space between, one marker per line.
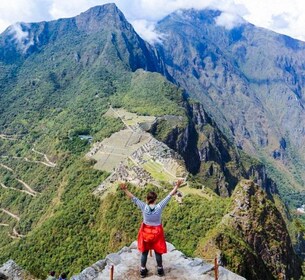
pixel 98 17
pixel 22 39
pixel 109 7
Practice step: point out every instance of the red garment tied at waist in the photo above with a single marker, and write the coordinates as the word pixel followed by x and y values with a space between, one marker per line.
pixel 151 238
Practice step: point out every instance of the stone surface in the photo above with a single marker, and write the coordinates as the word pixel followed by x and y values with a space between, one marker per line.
pixel 3 276
pixel 176 266
pixel 11 271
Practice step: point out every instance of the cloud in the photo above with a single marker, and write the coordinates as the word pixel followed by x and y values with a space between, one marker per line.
pixel 143 14
pixel 280 21
pixel 23 11
pixel 64 9
pixel 228 20
pixel 147 31
pixel 284 16
pixel 21 36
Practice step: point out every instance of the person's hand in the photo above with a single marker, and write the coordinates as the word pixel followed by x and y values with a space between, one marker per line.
pixel 179 183
pixel 123 186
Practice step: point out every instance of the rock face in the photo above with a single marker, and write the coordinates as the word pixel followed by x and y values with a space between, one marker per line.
pixel 244 76
pixel 210 155
pixel 248 79
pixel 176 265
pixel 253 237
pixel 11 271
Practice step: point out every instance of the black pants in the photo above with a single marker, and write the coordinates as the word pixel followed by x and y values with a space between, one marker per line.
pixel 144 259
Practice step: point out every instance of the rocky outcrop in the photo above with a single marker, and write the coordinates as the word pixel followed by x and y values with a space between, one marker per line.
pixel 176 265
pixel 253 237
pixel 11 271
pixel 258 174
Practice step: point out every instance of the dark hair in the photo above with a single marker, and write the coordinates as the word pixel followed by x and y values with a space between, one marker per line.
pixel 63 275
pixel 52 273
pixel 151 197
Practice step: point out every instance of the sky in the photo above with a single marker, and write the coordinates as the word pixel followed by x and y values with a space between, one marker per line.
pixel 282 16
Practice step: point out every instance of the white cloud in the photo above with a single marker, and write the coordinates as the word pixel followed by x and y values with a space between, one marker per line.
pixel 267 14
pixel 284 16
pixel 147 30
pixel 280 21
pixel 12 11
pixel 21 36
pixel 64 9
pixel 229 20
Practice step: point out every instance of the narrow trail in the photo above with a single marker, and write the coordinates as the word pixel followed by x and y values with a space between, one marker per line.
pixel 32 161
pixel 15 233
pixel 10 214
pixel 6 167
pixel 8 137
pixel 4 186
pixel 119 116
pixel 28 190
pixel 27 187
pixel 51 164
pixel 14 189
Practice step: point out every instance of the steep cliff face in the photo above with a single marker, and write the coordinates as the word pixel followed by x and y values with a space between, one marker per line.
pixel 249 81
pixel 246 76
pixel 253 237
pixel 209 155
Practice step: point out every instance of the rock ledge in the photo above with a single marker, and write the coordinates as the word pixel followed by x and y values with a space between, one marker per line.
pixel 176 266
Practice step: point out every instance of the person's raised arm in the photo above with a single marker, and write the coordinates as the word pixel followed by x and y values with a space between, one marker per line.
pixel 123 187
pixel 179 182
pixel 164 202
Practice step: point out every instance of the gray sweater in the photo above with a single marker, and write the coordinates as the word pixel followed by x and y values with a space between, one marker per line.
pixel 152 215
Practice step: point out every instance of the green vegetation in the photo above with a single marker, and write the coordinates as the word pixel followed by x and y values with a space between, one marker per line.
pixel 141 98
pixel 157 172
pixel 61 241
pixel 193 218
pixel 66 227
pixel 47 100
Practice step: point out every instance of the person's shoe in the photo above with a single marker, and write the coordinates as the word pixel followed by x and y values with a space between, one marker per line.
pixel 143 272
pixel 160 271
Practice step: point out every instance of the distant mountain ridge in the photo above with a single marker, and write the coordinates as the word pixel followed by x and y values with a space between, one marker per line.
pixel 249 79
pixel 22 39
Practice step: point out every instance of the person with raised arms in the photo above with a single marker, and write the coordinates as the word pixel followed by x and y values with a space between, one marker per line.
pixel 151 234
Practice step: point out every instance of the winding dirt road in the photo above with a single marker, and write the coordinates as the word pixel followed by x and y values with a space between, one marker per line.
pixel 6 167
pixel 27 187
pixel 15 233
pixel 28 190
pixel 10 214
pixel 50 163
pixel 14 189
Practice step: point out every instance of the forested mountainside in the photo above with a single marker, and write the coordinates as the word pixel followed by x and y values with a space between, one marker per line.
pixel 59 82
